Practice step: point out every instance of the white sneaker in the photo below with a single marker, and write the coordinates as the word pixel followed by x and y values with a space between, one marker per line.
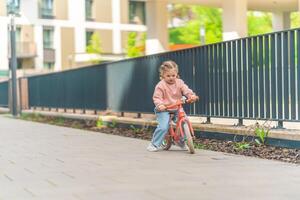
pixel 152 148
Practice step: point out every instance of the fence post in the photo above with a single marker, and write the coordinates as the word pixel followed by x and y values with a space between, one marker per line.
pixel 207 120
pixel 280 124
pixel 240 123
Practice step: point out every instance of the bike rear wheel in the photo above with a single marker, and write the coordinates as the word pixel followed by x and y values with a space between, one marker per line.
pixel 189 138
pixel 167 143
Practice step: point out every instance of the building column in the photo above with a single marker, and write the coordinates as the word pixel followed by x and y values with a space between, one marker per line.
pixel 30 10
pixel 234 19
pixel 77 17
pixel 157 26
pixel 38 39
pixel 116 20
pixel 281 21
pixel 57 47
pixel 4 46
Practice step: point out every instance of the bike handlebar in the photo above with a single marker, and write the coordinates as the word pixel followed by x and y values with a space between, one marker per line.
pixel 181 102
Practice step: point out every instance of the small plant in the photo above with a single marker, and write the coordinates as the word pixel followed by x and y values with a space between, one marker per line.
pixel 113 124
pixel 100 122
pixel 199 146
pixel 241 145
pixel 136 130
pixel 59 121
pixel 261 133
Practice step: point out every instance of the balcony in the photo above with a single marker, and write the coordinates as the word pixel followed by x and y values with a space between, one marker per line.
pixel 25 49
pixel 49 55
pixel 46 13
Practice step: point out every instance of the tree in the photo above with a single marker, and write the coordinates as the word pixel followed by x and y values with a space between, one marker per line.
pixel 135 45
pixel 259 23
pixel 94 47
pixel 295 20
pixel 209 18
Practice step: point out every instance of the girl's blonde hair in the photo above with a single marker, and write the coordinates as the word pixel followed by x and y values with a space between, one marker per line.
pixel 167 65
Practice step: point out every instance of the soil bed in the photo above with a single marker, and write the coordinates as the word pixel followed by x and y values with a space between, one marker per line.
pixel 247 149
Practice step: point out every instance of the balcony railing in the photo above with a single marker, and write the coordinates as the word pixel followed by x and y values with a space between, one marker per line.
pixel 24 49
pixel 46 13
pixel 49 55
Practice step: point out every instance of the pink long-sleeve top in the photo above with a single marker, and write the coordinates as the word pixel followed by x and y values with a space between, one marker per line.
pixel 167 94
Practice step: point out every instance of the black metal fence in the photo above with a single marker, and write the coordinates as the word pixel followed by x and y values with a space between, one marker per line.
pixel 249 78
pixel 4 94
pixel 256 77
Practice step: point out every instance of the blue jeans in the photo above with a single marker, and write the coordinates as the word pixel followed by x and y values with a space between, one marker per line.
pixel 161 129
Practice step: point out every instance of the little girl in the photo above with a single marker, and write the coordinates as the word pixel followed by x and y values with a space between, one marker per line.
pixel 168 91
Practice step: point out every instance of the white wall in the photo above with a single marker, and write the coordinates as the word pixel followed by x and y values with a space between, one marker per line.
pixel 4 43
pixel 77 19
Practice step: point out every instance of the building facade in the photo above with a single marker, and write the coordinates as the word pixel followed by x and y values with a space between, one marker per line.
pixel 53 34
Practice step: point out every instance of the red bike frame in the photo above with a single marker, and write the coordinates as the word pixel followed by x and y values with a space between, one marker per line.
pixel 181 118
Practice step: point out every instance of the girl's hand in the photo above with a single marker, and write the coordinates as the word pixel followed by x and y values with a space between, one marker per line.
pixel 161 107
pixel 194 98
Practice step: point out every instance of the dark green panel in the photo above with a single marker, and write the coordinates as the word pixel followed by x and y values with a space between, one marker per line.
pixel 4 94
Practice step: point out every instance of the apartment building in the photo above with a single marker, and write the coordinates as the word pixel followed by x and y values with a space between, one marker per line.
pixel 53 34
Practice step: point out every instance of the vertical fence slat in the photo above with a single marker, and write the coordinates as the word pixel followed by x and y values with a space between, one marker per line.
pixel 221 75
pixel 216 77
pixel 267 75
pixel 273 77
pixel 206 78
pixel 261 78
pixel 230 97
pixel 279 75
pixel 245 78
pixel 298 73
pixel 211 88
pixel 292 75
pixel 255 77
pixel 286 69
pixel 239 79
pixel 234 79
pixel 250 77
pixel 225 79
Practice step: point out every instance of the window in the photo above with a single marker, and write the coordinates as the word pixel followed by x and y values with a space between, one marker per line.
pixel 46 8
pixel 89 9
pixel 13 6
pixel 137 12
pixel 18 34
pixel 48 38
pixel 88 35
pixel 48 65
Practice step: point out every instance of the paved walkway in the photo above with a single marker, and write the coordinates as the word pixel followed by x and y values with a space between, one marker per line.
pixel 39 161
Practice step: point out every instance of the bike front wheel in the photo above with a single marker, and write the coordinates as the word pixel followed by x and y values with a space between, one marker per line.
pixel 189 138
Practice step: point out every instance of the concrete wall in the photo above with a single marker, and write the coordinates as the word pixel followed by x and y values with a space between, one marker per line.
pixel 61 9
pixel 106 40
pixel 124 11
pixel 2 7
pixel 102 10
pixel 67 47
pixel 27 33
